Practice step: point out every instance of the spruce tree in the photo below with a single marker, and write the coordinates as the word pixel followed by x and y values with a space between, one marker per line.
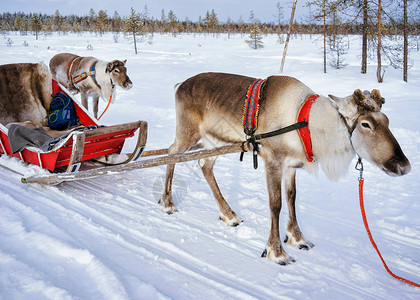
pixel 255 36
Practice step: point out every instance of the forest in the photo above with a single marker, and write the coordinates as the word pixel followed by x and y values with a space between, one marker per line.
pixel 390 29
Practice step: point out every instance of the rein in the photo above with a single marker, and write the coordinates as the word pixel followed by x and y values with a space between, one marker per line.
pixel 359 167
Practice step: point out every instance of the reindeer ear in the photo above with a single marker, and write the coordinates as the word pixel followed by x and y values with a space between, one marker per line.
pixel 345 106
pixel 109 67
pixel 124 62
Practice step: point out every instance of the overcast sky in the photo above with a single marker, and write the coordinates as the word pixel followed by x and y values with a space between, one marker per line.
pixel 264 10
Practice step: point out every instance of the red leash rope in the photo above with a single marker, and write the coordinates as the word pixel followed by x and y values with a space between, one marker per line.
pixel 109 102
pixel 359 167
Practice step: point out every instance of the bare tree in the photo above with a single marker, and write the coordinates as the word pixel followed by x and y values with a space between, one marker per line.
pixel 405 30
pixel 289 30
pixel 365 28
pixel 379 73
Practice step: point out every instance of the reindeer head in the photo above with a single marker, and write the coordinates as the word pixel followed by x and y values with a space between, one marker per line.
pixel 118 73
pixel 369 131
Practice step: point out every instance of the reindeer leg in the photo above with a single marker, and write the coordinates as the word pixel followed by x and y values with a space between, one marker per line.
pixel 95 106
pixel 177 147
pixel 274 250
pixel 85 100
pixel 294 236
pixel 227 215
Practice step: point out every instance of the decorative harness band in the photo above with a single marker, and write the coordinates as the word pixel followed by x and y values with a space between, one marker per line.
pixel 251 110
pixel 250 123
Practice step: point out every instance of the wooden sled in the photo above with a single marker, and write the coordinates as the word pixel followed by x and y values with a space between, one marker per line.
pixel 78 146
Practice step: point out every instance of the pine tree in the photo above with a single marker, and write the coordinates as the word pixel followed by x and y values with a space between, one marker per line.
pixel 35 24
pixel 102 22
pixel 57 22
pixel 20 24
pixel 92 19
pixel 173 26
pixel 256 37
pixel 214 21
pixel 116 23
pixel 134 25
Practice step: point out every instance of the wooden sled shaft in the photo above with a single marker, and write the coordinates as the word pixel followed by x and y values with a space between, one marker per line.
pixel 158 152
pixel 147 163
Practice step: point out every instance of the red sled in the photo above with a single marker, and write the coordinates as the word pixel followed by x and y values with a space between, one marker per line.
pixel 27 83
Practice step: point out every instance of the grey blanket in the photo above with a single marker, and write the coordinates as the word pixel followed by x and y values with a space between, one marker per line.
pixel 21 137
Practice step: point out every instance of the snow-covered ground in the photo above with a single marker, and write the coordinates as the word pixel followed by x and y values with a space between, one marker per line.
pixel 107 238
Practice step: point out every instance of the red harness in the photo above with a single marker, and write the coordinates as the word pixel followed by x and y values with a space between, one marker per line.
pixel 250 122
pixel 304 134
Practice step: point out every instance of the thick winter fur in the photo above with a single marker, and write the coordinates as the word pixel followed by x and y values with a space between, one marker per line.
pixel 25 93
pixel 209 107
pixel 108 74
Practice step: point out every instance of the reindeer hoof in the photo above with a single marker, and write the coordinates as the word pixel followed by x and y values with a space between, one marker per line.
pixel 302 244
pixel 167 205
pixel 232 221
pixel 282 259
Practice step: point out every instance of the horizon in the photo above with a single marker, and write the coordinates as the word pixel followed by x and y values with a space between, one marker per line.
pixel 265 12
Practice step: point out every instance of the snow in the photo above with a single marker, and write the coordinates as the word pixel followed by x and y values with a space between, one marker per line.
pixel 107 238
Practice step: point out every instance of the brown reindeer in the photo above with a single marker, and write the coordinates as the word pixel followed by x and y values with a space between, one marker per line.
pixel 90 76
pixel 339 128
pixel 25 93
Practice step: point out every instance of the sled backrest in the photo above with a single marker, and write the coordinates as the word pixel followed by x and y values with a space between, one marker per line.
pixel 84 116
pixel 25 93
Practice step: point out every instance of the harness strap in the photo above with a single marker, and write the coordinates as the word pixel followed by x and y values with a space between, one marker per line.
pixel 292 127
pixel 82 76
pixel 304 134
pixel 92 73
pixel 70 70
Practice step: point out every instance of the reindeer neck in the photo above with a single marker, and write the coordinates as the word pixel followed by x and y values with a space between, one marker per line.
pixel 103 78
pixel 330 139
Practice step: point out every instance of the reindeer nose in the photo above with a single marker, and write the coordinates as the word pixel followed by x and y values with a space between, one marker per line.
pixel 128 84
pixel 398 166
pixel 404 169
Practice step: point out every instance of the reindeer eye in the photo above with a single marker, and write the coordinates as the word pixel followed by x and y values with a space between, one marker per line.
pixel 366 125
pixel 116 71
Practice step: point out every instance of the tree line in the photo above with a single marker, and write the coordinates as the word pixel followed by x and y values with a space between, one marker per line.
pixel 101 22
pixel 389 28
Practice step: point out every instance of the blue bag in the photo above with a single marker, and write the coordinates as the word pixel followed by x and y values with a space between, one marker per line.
pixel 63 114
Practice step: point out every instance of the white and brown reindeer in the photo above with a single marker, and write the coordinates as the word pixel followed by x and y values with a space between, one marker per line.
pixel 90 77
pixel 339 128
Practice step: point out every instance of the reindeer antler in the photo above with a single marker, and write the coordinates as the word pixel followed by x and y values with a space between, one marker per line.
pixel 368 101
pixel 376 95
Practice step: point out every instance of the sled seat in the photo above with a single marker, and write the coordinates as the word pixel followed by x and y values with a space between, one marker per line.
pixel 25 95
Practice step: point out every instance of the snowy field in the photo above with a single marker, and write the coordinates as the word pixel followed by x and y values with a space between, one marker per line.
pixel 107 238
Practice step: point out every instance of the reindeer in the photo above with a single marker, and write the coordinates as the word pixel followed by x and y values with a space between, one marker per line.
pixel 339 128
pixel 73 71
